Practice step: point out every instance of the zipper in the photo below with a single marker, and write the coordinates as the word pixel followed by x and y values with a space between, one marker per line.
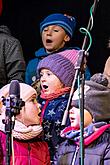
pixel 29 149
pixel 75 155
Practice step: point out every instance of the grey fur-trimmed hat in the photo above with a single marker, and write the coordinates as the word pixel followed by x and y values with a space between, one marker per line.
pixel 97 97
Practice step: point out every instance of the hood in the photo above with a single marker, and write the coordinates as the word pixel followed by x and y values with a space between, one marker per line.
pixel 5 29
pixel 41 53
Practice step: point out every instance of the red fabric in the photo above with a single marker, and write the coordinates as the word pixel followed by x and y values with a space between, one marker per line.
pixel 56 94
pixel 96 134
pixel 1 7
pixel 25 153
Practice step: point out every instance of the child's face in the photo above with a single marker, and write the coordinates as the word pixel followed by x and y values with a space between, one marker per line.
pixel 49 82
pixel 74 115
pixel 54 38
pixel 29 113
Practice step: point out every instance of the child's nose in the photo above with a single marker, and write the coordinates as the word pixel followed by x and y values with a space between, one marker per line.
pixel 43 79
pixel 71 111
pixel 49 32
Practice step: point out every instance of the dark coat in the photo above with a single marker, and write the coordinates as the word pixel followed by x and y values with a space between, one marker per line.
pixel 96 153
pixel 12 64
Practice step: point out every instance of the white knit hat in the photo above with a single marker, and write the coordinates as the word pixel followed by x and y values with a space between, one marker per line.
pixel 26 91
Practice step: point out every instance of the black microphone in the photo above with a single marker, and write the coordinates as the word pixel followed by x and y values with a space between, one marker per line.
pixel 16 102
pixel 13 105
pixel 14 90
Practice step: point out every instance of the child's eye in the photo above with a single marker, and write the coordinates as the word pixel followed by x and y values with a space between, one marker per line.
pixel 48 74
pixel 41 74
pixel 34 100
pixel 56 30
pixel 45 29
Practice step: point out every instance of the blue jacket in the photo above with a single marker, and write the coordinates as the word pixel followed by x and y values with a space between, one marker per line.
pixel 30 75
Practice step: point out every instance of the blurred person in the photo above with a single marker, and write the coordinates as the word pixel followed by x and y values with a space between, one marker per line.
pixel 12 63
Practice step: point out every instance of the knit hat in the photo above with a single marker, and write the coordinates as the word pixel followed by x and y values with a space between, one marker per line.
pixel 97 97
pixel 61 64
pixel 26 91
pixel 66 22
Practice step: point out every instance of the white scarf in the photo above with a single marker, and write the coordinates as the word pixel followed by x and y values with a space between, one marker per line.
pixel 21 131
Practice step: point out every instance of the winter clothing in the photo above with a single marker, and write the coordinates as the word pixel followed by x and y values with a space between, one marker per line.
pixel 97 97
pixel 67 23
pixel 96 135
pixel 25 91
pixel 60 65
pixel 52 113
pixel 29 147
pixel 30 75
pixel 96 150
pixel 12 64
pixel 27 144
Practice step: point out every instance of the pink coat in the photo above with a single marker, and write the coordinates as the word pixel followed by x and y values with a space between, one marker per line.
pixel 31 152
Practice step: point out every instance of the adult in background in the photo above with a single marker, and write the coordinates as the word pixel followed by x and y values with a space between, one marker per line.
pixel 12 63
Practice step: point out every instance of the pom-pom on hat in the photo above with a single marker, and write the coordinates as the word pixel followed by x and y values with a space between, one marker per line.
pixel 61 64
pixel 66 22
pixel 97 97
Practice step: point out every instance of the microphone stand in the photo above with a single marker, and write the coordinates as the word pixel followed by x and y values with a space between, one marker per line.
pixel 81 155
pixel 80 70
pixel 8 129
pixel 13 107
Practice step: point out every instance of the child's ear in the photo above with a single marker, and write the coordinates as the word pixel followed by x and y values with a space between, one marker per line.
pixel 67 38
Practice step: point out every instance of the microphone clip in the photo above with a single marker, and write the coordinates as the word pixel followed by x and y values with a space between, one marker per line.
pixel 13 104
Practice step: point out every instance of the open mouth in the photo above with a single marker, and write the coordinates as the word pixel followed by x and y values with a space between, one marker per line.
pixel 45 86
pixel 48 41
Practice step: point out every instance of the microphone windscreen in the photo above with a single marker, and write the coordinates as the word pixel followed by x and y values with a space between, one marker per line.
pixel 14 89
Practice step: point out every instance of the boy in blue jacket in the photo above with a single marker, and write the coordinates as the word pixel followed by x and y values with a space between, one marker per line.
pixel 56 31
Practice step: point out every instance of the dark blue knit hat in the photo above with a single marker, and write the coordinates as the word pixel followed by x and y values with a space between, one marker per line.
pixel 66 22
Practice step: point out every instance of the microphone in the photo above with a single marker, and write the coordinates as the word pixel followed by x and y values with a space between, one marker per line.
pixel 16 102
pixel 14 90
pixel 13 102
pixel 13 105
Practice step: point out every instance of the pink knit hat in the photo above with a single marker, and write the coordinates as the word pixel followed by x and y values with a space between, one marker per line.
pixel 26 91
